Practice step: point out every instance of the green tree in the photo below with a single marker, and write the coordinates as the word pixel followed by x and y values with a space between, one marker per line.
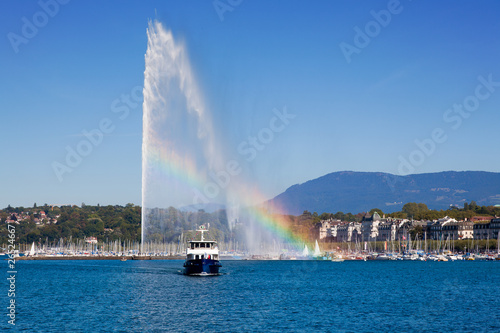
pixel 325 216
pixel 379 212
pixel 415 210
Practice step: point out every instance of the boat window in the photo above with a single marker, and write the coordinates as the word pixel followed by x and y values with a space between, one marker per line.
pixel 192 245
pixel 197 257
pixel 202 244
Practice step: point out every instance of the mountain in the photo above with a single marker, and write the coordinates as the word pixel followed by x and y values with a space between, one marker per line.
pixel 356 192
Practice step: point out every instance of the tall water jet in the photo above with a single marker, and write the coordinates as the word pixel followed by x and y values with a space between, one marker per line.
pixel 179 146
pixel 182 157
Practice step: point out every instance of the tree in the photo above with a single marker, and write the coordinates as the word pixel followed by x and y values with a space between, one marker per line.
pixel 398 215
pixel 414 210
pixel 379 212
pixel 325 216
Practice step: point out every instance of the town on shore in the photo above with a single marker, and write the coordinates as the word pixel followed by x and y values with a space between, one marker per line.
pixel 114 232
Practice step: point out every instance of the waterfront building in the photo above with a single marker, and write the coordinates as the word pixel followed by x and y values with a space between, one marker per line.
pixel 403 229
pixel 398 229
pixel 324 228
pixel 436 228
pixel 458 230
pixel 487 230
pixel 495 227
pixel 481 230
pixel 373 227
pixel 369 226
pixel 387 231
pixel 349 232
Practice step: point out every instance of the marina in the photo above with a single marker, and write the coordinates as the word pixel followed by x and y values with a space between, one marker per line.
pixel 201 250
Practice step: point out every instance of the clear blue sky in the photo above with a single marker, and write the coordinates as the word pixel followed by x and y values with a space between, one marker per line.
pixel 362 115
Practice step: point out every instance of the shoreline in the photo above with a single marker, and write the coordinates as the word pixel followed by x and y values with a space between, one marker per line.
pixel 100 258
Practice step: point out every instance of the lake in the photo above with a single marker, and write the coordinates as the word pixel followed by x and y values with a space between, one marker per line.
pixel 257 296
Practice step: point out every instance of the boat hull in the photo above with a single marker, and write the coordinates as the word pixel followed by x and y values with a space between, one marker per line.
pixel 202 267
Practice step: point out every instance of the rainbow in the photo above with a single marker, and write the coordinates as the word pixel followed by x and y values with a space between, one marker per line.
pixel 170 163
pixel 183 169
pixel 270 217
pixel 278 226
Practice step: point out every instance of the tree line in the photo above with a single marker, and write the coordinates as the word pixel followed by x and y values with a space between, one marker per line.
pixel 110 223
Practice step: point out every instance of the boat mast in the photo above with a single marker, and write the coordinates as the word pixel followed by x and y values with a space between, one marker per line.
pixel 498 243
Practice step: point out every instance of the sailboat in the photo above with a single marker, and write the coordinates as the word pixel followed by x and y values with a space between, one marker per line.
pixel 305 252
pixel 317 252
pixel 31 253
pixel 498 246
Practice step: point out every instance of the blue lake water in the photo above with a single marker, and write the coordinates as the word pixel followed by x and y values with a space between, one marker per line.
pixel 261 296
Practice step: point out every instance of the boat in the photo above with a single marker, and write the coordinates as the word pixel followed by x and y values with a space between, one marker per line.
pixel 337 258
pixel 382 256
pixel 317 252
pixel 202 257
pixel 451 257
pixel 31 253
pixel 123 259
pixel 441 257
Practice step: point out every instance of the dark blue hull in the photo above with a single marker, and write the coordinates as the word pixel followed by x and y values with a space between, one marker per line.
pixel 202 267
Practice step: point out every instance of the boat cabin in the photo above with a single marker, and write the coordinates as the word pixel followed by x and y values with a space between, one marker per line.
pixel 203 245
pixel 202 250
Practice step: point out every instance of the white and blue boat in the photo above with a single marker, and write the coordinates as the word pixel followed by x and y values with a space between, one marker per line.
pixel 202 257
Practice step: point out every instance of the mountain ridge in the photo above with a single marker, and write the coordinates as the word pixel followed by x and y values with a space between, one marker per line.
pixel 356 191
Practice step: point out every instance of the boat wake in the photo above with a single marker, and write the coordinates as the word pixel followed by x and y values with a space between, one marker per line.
pixel 204 274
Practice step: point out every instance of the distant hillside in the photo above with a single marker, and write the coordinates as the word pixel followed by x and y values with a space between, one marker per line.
pixel 208 208
pixel 355 192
